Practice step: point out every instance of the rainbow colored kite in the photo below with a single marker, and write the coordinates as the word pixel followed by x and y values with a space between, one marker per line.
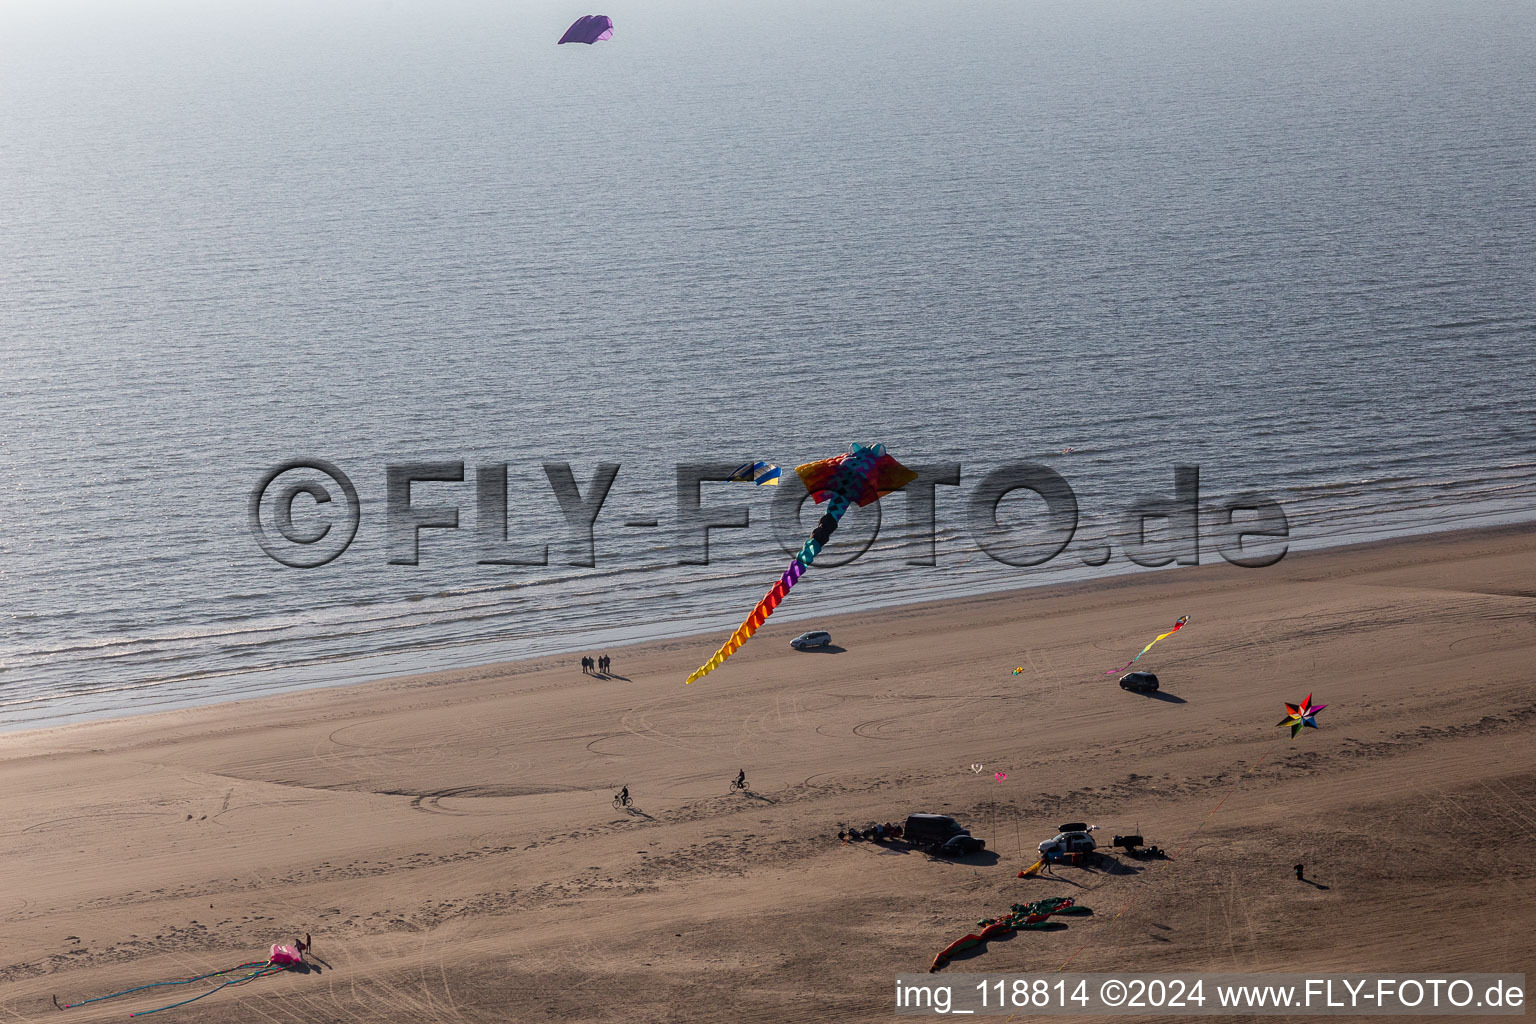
pixel 1176 627
pixel 864 474
pixel 1305 715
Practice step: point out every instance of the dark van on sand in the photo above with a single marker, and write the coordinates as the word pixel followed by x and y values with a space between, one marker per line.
pixel 1139 682
pixel 940 834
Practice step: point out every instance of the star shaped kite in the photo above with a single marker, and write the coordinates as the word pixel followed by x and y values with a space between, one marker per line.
pixel 1305 715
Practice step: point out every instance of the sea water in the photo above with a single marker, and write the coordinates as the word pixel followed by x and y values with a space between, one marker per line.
pixel 1292 243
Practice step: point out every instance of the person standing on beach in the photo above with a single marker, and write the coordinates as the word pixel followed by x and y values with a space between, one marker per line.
pixel 586 665
pixel 1298 874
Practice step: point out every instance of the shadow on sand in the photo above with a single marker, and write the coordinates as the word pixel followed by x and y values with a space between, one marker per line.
pixel 1114 866
pixel 1164 696
pixel 983 858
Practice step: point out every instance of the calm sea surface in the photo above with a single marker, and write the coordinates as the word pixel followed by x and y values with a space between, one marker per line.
pixel 1292 243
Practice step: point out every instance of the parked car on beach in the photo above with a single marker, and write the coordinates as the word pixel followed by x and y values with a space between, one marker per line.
pixel 1139 682
pixel 815 638
pixel 942 835
pixel 1068 842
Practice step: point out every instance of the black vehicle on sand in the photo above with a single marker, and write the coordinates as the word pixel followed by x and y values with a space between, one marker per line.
pixel 941 835
pixel 1139 682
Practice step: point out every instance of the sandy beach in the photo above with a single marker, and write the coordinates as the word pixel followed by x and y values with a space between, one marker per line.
pixel 451 843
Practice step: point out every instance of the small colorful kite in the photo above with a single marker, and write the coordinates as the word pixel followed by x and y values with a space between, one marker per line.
pixel 1305 715
pixel 764 474
pixel 1176 627
pixel 589 28
pixel 862 475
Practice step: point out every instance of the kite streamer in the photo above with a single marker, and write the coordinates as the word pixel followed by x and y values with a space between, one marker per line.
pixel 1176 627
pixel 862 475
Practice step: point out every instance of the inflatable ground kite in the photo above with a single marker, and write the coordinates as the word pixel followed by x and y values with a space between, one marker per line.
pixel 861 476
pixel 1024 915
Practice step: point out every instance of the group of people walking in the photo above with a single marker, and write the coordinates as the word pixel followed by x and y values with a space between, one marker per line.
pixel 598 665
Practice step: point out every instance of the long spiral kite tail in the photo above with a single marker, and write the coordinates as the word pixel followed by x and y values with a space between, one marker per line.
pixel 770 601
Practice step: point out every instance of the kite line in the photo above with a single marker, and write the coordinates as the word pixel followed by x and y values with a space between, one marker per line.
pixel 1176 854
pixel 1295 719
pixel 282 958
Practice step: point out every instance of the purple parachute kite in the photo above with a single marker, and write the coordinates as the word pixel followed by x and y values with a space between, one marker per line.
pixel 589 28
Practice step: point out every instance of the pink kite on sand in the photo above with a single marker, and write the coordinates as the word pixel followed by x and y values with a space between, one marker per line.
pixel 285 955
